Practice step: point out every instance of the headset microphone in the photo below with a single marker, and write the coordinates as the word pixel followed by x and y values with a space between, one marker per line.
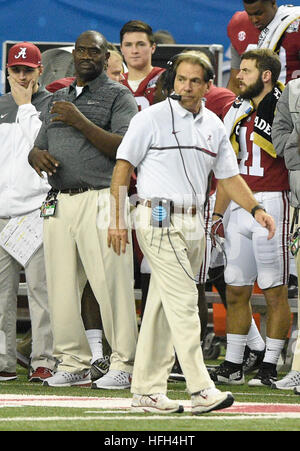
pixel 175 97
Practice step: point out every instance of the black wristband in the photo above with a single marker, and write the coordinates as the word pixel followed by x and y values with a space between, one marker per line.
pixel 257 207
pixel 217 214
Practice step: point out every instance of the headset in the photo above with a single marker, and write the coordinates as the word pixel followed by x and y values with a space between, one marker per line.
pixel 170 73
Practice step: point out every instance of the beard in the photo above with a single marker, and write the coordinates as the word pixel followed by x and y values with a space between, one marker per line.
pixel 251 91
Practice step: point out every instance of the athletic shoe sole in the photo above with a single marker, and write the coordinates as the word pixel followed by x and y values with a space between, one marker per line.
pixel 77 384
pixel 221 404
pixel 283 388
pixel 176 377
pixel 259 383
pixel 146 409
pixel 225 381
pixel 7 379
pixel 111 387
pixel 36 379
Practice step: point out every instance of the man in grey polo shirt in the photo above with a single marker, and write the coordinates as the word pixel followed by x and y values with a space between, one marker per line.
pixel 76 147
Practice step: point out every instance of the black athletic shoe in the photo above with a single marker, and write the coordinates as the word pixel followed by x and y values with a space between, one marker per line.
pixel 176 373
pixel 293 286
pixel 252 360
pixel 266 376
pixel 99 368
pixel 227 373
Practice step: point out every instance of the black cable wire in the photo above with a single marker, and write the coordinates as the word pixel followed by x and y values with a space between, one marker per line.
pixel 180 151
pixel 196 201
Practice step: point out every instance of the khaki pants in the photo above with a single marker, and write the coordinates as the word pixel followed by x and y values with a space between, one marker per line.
pixel 38 305
pixel 171 320
pixel 76 250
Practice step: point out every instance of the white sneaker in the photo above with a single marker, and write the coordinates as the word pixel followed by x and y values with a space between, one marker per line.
pixel 64 379
pixel 210 399
pixel 157 403
pixel 289 382
pixel 113 380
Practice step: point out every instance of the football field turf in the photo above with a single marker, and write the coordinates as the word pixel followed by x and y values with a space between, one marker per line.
pixel 28 406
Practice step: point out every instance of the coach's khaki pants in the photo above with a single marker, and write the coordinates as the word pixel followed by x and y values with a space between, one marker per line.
pixel 171 320
pixel 76 250
pixel 42 341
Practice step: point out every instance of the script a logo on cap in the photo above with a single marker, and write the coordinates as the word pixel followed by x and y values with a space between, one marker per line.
pixel 22 53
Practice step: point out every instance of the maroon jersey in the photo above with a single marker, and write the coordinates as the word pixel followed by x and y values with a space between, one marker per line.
pixel 217 98
pixel 215 101
pixel 261 171
pixel 59 84
pixel 242 33
pixel 144 95
pixel 290 51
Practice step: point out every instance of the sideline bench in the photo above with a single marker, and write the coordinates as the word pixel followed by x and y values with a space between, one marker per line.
pixel 257 301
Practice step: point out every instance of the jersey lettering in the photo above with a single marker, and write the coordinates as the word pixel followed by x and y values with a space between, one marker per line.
pixel 255 169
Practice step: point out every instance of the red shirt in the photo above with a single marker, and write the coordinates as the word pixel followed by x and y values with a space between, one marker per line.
pixel 59 84
pixel 144 95
pixel 261 171
pixel 217 98
pixel 290 51
pixel 242 32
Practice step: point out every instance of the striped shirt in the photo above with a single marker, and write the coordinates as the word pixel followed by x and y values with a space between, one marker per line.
pixel 174 154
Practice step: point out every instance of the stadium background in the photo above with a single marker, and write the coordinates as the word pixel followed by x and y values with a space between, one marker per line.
pixel 190 22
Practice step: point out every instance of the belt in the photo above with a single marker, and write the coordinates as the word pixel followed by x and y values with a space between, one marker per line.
pixel 178 209
pixel 72 191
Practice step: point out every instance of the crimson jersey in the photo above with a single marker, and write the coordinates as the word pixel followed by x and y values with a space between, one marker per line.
pixel 242 33
pixel 144 95
pixel 59 84
pixel 261 171
pixel 290 51
pixel 217 98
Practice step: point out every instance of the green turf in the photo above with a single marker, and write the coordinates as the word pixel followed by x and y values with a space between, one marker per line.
pixel 27 418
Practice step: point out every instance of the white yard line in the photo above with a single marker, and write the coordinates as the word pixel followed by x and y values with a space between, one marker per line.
pixel 153 417
pixel 111 409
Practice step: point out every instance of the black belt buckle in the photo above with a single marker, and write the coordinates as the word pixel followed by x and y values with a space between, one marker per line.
pixel 74 191
pixel 82 189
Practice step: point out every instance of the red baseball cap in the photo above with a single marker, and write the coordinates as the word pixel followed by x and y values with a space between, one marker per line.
pixel 24 54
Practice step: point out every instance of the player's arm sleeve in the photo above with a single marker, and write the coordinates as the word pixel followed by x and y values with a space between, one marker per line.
pixel 124 108
pixel 226 162
pixel 235 60
pixel 28 121
pixel 41 140
pixel 284 134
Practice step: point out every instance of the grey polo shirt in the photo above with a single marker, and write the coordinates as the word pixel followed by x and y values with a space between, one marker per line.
pixel 107 104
